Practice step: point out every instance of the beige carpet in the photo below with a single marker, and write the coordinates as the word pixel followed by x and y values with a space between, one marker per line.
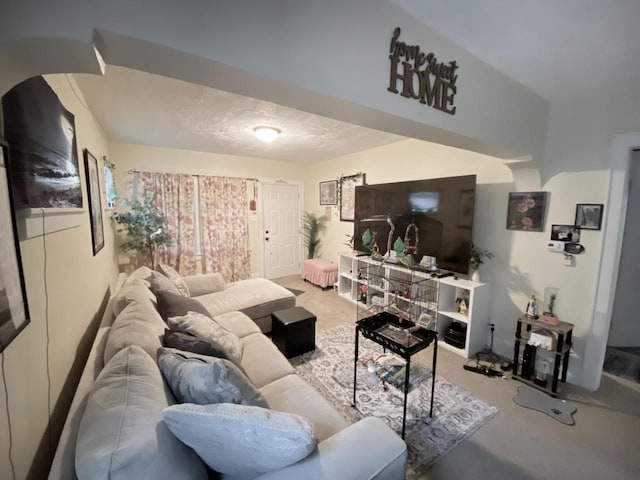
pixel 520 443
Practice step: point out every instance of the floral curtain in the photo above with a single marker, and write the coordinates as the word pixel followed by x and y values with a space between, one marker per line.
pixel 224 226
pixel 176 200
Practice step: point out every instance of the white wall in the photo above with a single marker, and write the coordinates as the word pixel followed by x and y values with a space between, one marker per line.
pixel 153 159
pixel 329 58
pixel 625 322
pixel 77 283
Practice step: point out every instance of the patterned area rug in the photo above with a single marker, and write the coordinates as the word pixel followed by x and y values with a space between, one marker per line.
pixel 456 412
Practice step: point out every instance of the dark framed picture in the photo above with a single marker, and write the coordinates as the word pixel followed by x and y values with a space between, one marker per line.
pixel 42 142
pixel 329 192
pixel 14 309
pixel 95 205
pixel 526 210
pixel 589 215
pixel 348 195
pixel 565 233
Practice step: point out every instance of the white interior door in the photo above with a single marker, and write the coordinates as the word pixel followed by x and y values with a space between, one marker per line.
pixel 281 233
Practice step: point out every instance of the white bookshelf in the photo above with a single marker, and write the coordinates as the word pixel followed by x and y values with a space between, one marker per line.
pixel 476 295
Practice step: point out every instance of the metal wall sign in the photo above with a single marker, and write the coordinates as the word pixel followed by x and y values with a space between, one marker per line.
pixel 418 75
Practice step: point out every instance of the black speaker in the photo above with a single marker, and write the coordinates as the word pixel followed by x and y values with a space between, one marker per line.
pixel 528 361
pixel 456 335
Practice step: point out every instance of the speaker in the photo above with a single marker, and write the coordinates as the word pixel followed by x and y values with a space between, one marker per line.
pixel 528 361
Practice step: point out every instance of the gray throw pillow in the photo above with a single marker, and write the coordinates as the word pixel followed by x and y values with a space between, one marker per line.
pixel 175 305
pixel 202 326
pixel 241 440
pixel 202 380
pixel 190 343
pixel 175 278
pixel 160 283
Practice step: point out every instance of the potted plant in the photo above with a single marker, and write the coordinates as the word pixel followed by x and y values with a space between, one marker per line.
pixel 146 229
pixel 313 226
pixel 476 258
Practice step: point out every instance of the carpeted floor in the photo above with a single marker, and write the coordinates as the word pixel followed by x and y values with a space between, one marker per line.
pixel 457 413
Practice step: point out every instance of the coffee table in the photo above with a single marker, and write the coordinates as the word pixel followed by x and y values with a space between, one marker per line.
pixel 393 333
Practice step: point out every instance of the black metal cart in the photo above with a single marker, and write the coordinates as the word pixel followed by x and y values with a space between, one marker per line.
pixel 392 333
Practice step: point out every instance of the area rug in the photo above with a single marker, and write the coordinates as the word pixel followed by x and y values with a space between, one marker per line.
pixel 456 413
pixel 556 408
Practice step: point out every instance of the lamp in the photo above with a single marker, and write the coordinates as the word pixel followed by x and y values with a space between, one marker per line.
pixel 266 134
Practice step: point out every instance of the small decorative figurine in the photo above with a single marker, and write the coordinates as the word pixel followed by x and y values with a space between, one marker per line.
pixel 532 308
pixel 363 293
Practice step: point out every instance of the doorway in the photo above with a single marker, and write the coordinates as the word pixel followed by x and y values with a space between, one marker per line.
pixel 281 229
pixel 623 348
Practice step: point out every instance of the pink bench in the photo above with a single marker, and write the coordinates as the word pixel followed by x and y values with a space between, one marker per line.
pixel 320 272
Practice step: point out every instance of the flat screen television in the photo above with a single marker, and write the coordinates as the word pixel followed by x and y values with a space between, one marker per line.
pixel 432 217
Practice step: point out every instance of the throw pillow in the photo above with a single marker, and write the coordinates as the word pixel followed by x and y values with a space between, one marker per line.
pixel 175 305
pixel 190 343
pixel 202 380
pixel 202 326
pixel 241 440
pixel 175 277
pixel 121 433
pixel 160 283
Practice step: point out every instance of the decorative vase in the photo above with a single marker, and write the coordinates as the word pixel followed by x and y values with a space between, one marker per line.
pixel 475 276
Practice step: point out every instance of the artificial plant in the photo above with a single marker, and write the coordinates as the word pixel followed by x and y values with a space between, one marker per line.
pixel 313 226
pixel 146 229
pixel 477 256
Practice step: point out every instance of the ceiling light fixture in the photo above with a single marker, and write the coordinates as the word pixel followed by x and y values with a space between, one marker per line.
pixel 267 134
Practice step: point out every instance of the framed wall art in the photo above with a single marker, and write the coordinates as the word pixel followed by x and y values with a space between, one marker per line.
pixel 42 142
pixel 589 215
pixel 348 195
pixel 329 192
pixel 565 233
pixel 525 211
pixel 95 205
pixel 14 309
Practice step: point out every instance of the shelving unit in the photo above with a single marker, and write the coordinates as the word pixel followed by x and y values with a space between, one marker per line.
pixel 428 296
pixel 563 333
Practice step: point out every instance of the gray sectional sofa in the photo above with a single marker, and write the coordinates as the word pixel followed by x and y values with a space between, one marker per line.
pixel 115 428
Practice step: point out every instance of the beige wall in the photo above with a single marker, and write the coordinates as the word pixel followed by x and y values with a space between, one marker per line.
pixel 77 282
pixel 154 159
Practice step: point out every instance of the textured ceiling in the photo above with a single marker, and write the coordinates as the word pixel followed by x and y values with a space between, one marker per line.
pixel 146 109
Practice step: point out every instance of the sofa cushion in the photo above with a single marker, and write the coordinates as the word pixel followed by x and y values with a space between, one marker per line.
pixel 204 327
pixel 241 440
pixel 175 278
pixel 190 343
pixel 262 361
pixel 200 379
pixel 255 296
pixel 293 395
pixel 204 283
pixel 122 435
pixel 141 273
pixel 133 290
pixel 238 323
pixel 160 283
pixel 138 324
pixel 175 305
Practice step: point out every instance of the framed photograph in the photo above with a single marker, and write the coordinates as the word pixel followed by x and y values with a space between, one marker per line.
pixel 348 195
pixel 526 210
pixel 589 215
pixel 95 205
pixel 565 233
pixel 42 142
pixel 329 192
pixel 14 310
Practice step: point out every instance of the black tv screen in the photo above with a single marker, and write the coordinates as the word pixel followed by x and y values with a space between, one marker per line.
pixel 432 217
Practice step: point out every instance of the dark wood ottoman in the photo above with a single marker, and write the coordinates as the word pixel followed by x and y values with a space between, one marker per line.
pixel 294 331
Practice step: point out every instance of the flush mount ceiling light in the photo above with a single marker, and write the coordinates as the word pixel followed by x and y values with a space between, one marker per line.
pixel 266 134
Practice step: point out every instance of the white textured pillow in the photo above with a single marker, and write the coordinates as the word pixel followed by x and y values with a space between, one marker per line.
pixel 202 379
pixel 122 435
pixel 175 277
pixel 202 326
pixel 240 440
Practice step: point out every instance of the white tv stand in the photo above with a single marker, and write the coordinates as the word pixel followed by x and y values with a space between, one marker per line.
pixel 476 297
